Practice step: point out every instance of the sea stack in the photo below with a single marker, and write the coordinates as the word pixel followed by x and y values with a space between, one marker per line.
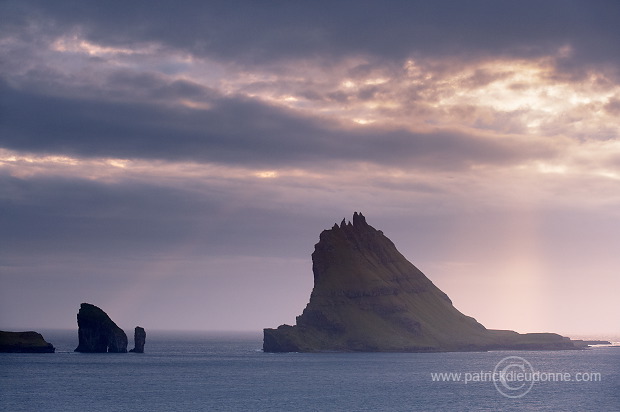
pixel 139 339
pixel 24 342
pixel 97 333
pixel 368 297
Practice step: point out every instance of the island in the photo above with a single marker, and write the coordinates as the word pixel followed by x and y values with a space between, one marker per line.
pixel 24 342
pixel 97 333
pixel 368 297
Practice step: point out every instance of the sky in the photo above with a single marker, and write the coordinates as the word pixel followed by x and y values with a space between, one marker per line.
pixel 175 162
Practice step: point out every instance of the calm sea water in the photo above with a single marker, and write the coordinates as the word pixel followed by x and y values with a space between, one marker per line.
pixel 206 372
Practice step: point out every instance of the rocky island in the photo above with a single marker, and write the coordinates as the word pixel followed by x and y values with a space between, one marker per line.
pixel 24 342
pixel 368 297
pixel 97 333
pixel 139 339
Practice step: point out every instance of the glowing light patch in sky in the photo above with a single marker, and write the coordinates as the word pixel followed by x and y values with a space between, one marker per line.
pixel 505 95
pixel 75 44
pixel 268 174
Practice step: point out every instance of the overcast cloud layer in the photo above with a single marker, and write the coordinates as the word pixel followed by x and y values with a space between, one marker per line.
pixel 175 162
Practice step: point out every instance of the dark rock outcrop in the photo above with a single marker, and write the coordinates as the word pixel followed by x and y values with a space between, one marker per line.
pixel 139 339
pixel 24 342
pixel 368 297
pixel 97 333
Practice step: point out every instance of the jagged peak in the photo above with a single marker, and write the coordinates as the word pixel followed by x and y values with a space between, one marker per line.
pixel 359 221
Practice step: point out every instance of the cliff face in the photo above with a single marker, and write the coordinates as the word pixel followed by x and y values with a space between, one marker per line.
pixel 368 297
pixel 24 342
pixel 98 333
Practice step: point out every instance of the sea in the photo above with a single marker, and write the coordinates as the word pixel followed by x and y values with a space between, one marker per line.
pixel 183 371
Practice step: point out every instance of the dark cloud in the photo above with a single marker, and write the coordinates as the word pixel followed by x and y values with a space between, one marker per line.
pixel 48 215
pixel 265 32
pixel 234 130
pixel 145 86
pixel 60 217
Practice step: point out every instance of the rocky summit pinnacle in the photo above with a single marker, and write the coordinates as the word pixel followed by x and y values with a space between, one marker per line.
pixel 368 297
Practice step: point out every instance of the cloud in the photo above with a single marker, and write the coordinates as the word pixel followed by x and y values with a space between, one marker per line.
pixel 88 88
pixel 70 217
pixel 263 33
pixel 233 130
